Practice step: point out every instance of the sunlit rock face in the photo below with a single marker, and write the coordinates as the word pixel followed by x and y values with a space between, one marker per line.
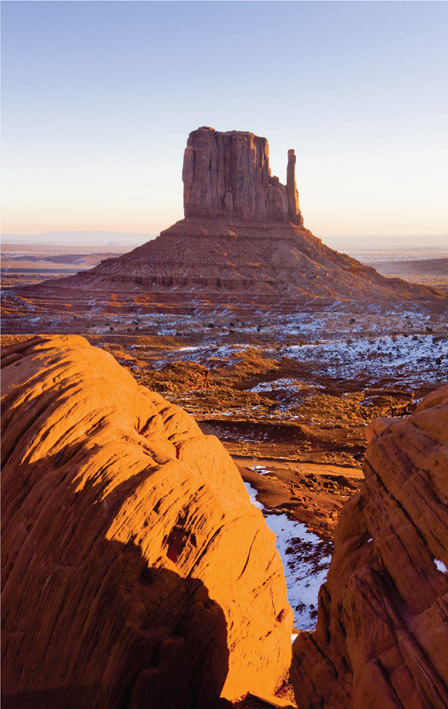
pixel 382 633
pixel 136 573
pixel 228 175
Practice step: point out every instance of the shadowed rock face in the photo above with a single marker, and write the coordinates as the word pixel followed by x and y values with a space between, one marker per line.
pixel 136 573
pixel 228 175
pixel 382 633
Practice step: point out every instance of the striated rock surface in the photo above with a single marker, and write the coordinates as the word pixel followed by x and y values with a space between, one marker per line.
pixel 228 175
pixel 136 573
pixel 382 633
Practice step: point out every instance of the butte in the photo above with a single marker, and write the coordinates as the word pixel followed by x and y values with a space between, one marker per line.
pixel 242 243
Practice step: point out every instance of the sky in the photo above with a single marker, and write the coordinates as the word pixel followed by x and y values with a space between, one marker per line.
pixel 98 99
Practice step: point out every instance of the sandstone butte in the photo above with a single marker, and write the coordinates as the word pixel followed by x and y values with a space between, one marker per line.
pixel 242 238
pixel 382 633
pixel 136 572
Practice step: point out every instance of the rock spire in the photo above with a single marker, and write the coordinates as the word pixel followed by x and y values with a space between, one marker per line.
pixel 291 190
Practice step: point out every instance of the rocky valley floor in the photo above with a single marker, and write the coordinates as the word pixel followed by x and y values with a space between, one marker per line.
pixel 289 393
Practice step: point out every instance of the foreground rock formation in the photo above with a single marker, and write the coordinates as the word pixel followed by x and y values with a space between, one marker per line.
pixel 136 573
pixel 242 239
pixel 382 633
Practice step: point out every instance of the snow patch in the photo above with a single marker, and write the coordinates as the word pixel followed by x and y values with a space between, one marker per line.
pixel 441 566
pixel 261 469
pixel 305 558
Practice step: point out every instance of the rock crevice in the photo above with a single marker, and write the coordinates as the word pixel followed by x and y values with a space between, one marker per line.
pixel 382 629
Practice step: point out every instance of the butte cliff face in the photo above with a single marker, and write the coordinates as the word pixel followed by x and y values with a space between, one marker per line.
pixel 242 239
pixel 228 175
pixel 382 633
pixel 136 573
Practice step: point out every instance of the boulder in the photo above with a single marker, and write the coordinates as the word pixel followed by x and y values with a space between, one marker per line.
pixel 382 633
pixel 136 572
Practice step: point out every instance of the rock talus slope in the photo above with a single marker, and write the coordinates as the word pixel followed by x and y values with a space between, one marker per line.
pixel 136 573
pixel 382 633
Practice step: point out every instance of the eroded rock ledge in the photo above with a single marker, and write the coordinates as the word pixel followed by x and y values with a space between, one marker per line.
pixel 382 633
pixel 135 570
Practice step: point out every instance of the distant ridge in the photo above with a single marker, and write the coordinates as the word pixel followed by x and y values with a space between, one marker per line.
pixel 80 238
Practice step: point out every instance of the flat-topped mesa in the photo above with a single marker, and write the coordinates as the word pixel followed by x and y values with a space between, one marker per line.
pixel 228 175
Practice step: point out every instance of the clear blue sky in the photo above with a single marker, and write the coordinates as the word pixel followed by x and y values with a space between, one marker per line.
pixel 99 97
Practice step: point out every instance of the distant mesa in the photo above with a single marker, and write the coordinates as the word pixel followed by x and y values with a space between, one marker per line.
pixel 242 238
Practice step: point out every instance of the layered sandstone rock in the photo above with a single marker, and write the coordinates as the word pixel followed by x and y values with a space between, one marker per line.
pixel 382 633
pixel 242 239
pixel 136 573
pixel 270 262
pixel 228 175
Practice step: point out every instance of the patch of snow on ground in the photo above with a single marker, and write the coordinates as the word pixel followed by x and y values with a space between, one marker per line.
pixel 441 566
pixel 261 469
pixel 305 558
pixel 276 384
pixel 190 349
pixel 253 496
pixel 422 357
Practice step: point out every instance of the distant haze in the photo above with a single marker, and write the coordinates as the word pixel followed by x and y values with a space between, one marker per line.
pixel 98 99
pixel 82 240
pixel 91 241
pixel 391 242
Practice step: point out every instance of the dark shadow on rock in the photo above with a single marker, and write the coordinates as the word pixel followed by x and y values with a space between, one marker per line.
pixel 86 622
